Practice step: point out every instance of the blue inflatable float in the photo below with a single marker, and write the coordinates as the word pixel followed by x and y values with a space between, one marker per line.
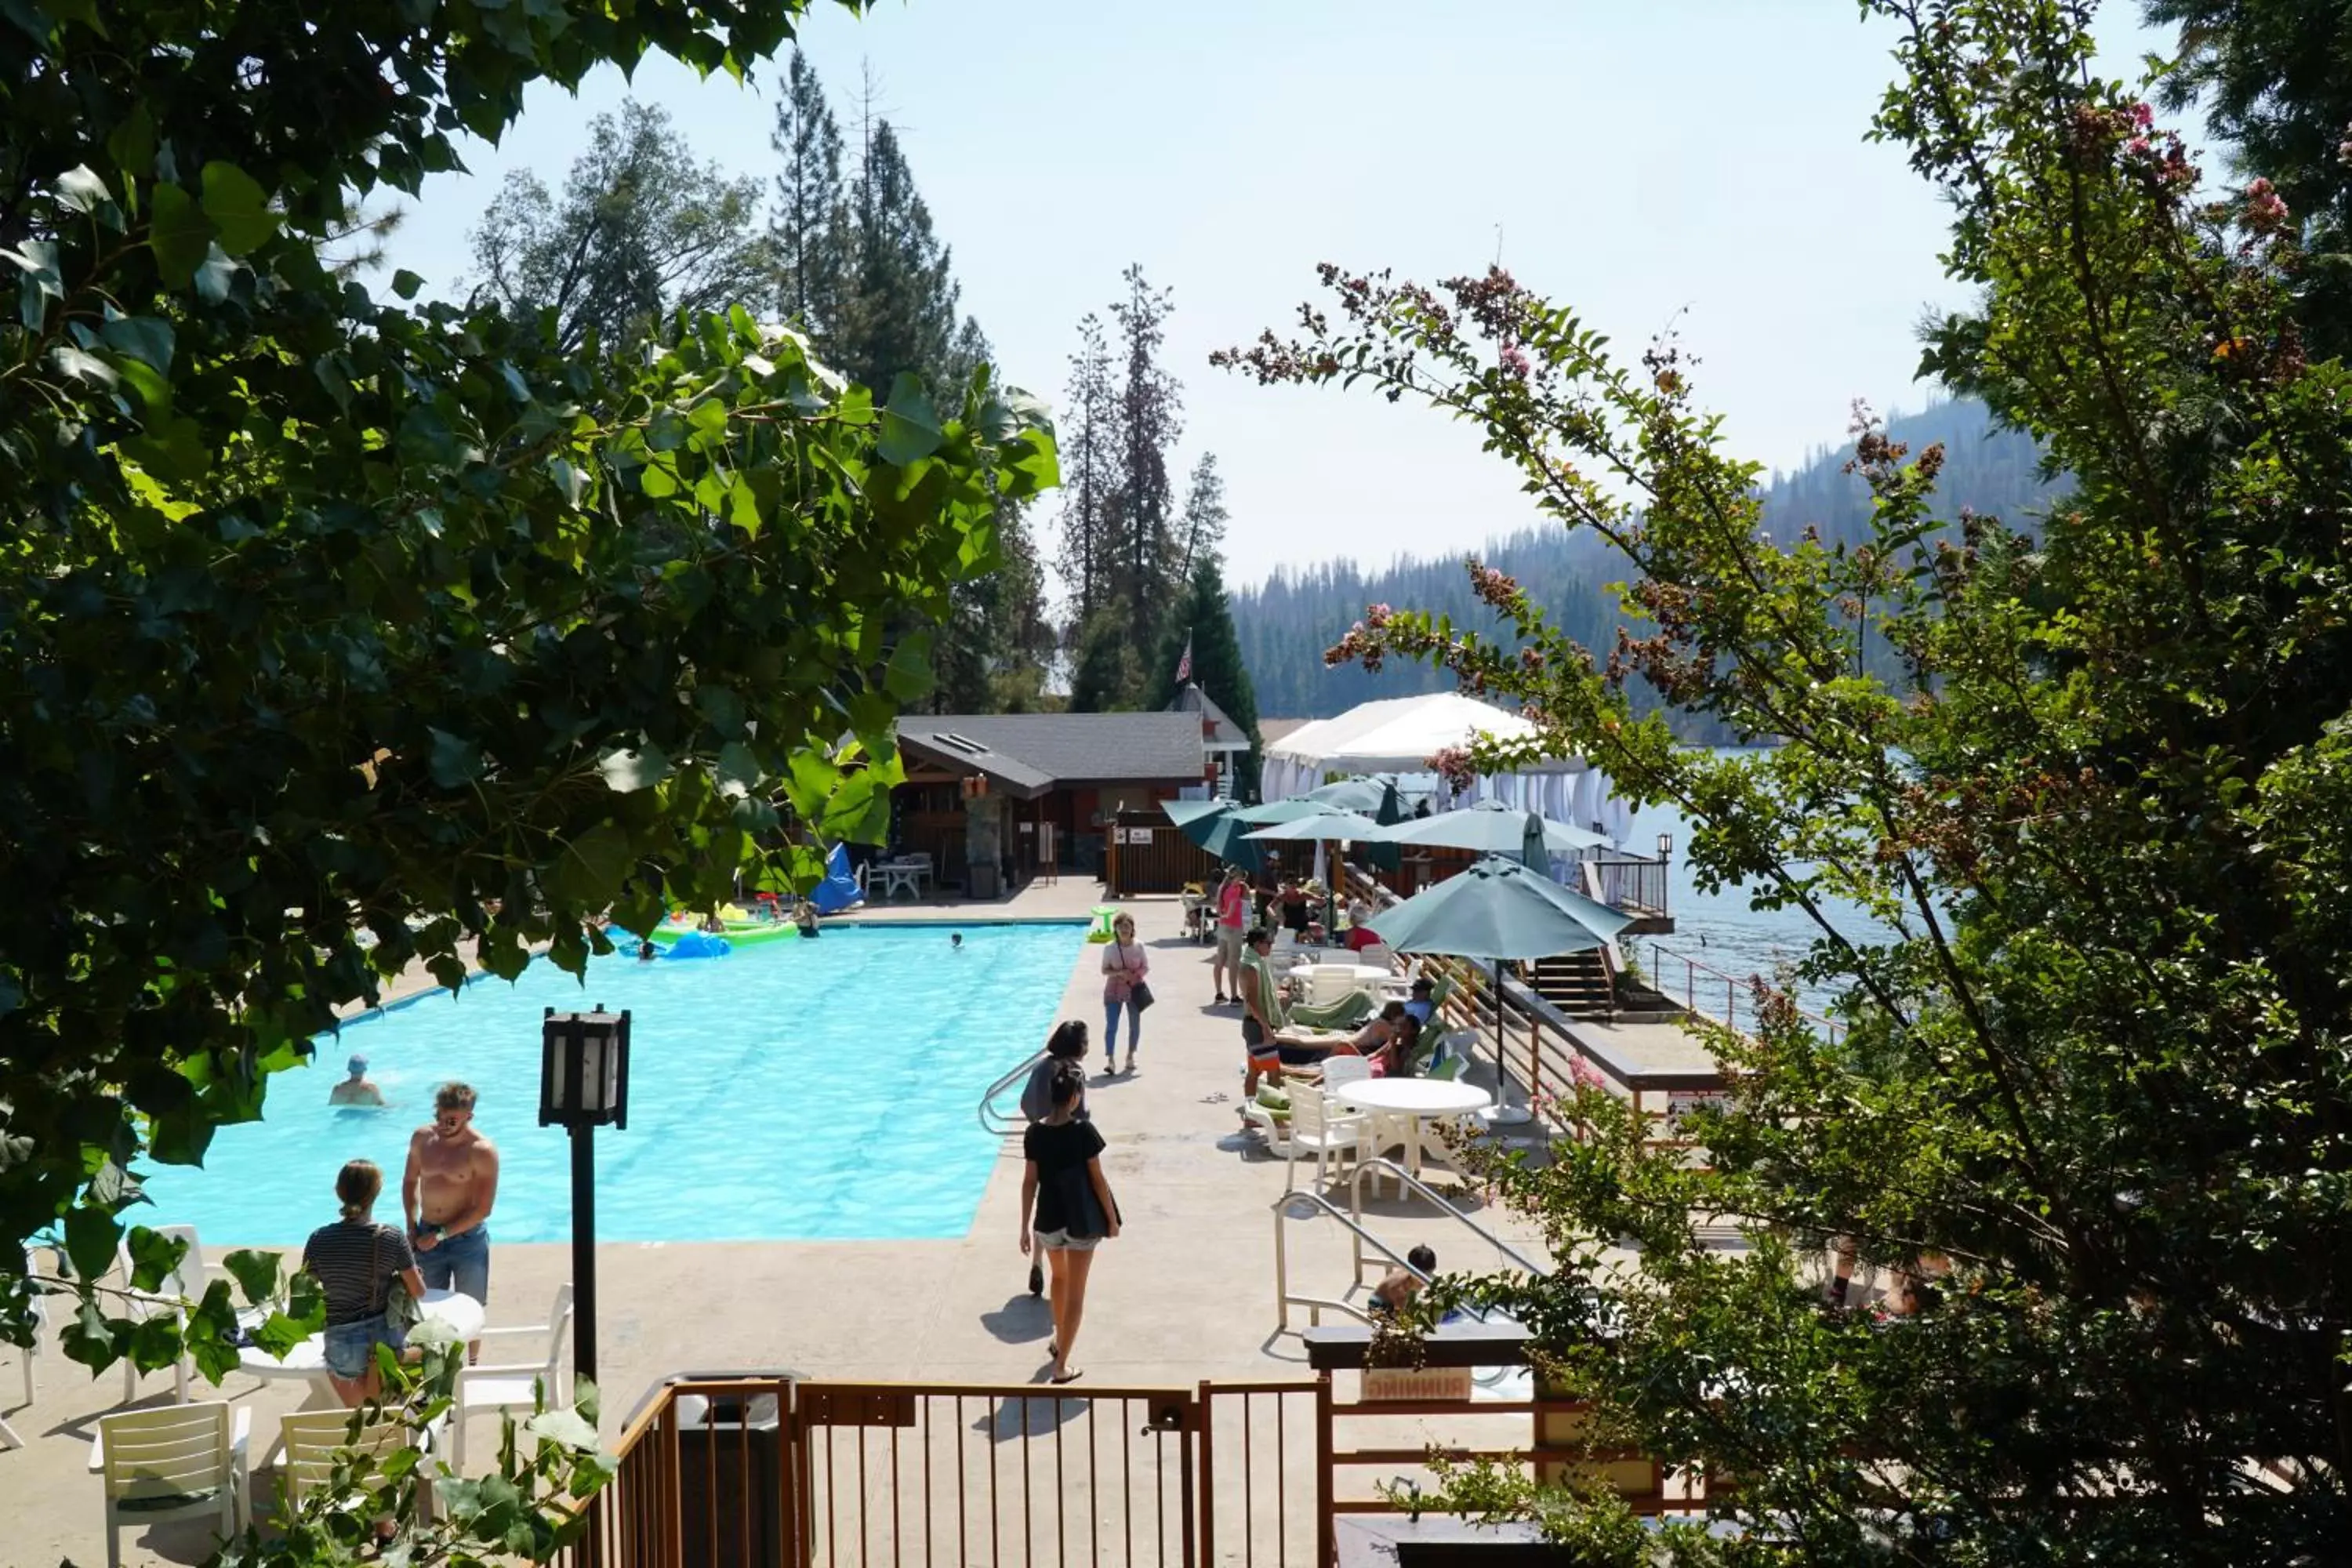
pixel 698 944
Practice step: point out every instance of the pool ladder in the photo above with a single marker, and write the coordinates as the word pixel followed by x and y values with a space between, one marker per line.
pixel 995 1122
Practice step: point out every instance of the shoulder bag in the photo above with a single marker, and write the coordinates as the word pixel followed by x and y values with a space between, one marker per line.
pixel 1138 992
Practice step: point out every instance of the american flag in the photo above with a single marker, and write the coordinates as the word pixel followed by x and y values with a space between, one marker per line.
pixel 1184 665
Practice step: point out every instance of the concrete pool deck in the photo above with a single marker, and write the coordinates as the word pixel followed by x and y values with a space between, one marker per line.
pixel 1185 1294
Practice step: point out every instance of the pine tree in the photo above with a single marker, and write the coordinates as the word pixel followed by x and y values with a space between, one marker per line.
pixel 1200 531
pixel 811 221
pixel 1108 672
pixel 1203 620
pixel 1089 474
pixel 1150 415
pixel 898 310
pixel 642 231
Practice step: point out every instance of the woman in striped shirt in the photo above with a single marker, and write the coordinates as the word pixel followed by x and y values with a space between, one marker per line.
pixel 355 1260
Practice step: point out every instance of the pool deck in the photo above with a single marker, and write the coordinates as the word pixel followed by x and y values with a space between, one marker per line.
pixel 1185 1294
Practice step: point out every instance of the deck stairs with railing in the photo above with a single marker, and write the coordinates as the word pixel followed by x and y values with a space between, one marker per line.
pixel 1579 983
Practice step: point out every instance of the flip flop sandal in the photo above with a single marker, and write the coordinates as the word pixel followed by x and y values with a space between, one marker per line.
pixel 1070 1376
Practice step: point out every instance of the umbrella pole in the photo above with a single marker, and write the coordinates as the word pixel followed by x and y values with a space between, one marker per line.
pixel 1498 1017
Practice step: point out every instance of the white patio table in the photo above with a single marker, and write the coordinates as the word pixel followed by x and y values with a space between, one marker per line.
pixel 307 1361
pixel 1409 1102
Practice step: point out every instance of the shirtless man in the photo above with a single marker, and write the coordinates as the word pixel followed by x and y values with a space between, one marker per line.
pixel 451 1181
pixel 358 1089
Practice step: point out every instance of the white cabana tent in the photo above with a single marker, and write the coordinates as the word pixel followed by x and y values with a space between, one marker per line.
pixel 1400 734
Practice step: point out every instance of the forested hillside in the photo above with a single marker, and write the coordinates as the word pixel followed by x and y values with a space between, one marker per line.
pixel 1286 624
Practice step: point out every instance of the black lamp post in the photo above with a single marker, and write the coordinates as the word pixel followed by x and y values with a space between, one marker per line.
pixel 583 1083
pixel 1666 848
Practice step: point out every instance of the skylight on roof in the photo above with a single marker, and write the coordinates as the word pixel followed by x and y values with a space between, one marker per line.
pixel 964 744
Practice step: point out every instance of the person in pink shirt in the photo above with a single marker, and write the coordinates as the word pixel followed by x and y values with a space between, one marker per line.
pixel 1232 917
pixel 1124 965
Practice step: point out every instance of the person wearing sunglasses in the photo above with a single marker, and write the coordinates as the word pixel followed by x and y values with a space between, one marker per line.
pixel 448 1190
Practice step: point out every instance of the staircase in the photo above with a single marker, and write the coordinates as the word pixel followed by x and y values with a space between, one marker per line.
pixel 1578 984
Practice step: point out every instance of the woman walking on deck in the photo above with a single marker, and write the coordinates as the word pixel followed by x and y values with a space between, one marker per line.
pixel 1123 966
pixel 1066 1201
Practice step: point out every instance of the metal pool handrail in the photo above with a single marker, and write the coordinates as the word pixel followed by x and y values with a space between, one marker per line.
pixel 992 1122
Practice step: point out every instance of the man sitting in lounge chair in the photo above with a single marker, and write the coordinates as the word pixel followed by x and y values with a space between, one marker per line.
pixel 1301 1046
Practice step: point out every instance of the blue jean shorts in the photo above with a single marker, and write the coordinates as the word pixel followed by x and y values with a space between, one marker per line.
pixel 461 1264
pixel 1063 1241
pixel 350 1347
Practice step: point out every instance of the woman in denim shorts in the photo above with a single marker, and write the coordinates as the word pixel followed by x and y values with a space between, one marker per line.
pixel 355 1260
pixel 1066 1201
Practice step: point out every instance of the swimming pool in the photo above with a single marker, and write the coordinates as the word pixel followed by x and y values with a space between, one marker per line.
pixel 789 1091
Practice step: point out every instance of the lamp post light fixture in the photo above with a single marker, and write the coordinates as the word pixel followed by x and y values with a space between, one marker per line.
pixel 584 1084
pixel 1665 845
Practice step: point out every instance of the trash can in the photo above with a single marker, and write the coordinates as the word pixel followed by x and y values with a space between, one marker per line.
pixel 982 876
pixel 731 1481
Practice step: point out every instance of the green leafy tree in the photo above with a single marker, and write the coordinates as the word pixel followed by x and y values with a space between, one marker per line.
pixel 642 231
pixel 1202 621
pixel 2088 1110
pixel 332 617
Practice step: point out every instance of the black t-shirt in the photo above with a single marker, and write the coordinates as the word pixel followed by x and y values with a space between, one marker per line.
pixel 1065 1198
pixel 1294 913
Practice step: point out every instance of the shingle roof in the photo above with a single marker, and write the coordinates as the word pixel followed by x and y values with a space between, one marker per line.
pixel 1030 754
pixel 1223 731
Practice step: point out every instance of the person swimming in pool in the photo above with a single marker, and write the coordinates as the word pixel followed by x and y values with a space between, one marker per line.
pixel 356 1089
pixel 1400 1286
pixel 955 941
pixel 647 952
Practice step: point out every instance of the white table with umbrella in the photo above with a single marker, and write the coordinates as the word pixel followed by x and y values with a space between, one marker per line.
pixel 1495 910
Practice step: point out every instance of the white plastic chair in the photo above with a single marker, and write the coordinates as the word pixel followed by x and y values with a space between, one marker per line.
pixel 313 1440
pixel 25 1356
pixel 172 1462
pixel 1379 955
pixel 1345 1069
pixel 190 1280
pixel 1314 1130
pixel 508 1385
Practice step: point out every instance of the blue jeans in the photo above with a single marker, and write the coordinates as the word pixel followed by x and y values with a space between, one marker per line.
pixel 1111 1029
pixel 350 1347
pixel 462 1264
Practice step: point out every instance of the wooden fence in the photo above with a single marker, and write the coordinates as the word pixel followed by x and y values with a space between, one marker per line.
pixel 1146 853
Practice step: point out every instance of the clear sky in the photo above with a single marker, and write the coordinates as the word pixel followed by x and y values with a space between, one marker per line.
pixel 1631 160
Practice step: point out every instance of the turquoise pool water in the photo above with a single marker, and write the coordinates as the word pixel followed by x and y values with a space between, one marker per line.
pixel 789 1091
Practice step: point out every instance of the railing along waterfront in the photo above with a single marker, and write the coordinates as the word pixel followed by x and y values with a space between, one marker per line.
pixel 1703 983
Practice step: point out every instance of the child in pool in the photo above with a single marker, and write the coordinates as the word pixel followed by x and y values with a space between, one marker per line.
pixel 1400 1286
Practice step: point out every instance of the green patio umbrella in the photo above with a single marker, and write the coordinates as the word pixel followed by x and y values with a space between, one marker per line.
pixel 1384 853
pixel 1492 828
pixel 1181 812
pixel 1350 795
pixel 1328 827
pixel 1278 811
pixel 1226 837
pixel 1498 910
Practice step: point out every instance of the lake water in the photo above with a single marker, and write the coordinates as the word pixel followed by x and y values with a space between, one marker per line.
pixel 1720 928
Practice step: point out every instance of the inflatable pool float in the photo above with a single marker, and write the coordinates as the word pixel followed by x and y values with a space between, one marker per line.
pixel 698 944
